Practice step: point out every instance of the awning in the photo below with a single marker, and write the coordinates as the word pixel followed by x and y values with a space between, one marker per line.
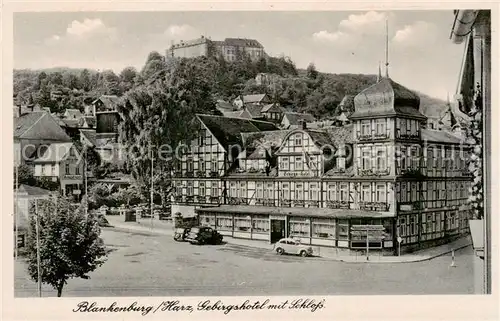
pixel 293 211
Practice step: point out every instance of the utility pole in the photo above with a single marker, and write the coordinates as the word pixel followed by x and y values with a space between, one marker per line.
pixel 152 164
pixel 38 263
pixel 85 173
pixel 16 214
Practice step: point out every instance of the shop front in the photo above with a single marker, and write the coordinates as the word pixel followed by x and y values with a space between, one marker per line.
pixel 314 226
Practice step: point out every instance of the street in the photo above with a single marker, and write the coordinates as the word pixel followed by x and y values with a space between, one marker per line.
pixel 142 264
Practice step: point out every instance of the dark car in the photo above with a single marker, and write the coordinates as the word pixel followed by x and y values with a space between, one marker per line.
pixel 180 234
pixel 204 235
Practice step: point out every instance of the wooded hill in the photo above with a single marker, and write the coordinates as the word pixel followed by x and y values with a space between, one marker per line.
pixel 298 89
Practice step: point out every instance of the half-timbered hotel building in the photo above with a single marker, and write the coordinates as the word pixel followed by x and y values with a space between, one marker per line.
pixel 248 179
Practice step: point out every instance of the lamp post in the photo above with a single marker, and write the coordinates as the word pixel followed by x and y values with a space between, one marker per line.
pixel 38 260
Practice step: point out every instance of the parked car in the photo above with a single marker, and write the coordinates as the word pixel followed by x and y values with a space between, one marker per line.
pixel 180 234
pixel 203 235
pixel 291 246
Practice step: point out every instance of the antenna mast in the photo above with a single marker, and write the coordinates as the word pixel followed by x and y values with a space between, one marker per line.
pixel 386 48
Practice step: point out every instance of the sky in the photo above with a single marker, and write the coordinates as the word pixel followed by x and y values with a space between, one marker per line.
pixel 421 55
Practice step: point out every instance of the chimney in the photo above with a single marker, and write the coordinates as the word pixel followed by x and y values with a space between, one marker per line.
pixel 304 124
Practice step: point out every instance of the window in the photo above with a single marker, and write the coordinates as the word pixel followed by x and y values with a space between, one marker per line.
pixel 232 189
pixel 224 223
pixel 380 195
pixel 313 192
pixel 77 170
pixel 214 190
pixel 67 169
pixel 201 139
pixel 403 126
pixel 189 165
pixel 53 170
pixel 365 159
pixel 201 165
pixel 260 224
pixel 242 224
pixel 286 191
pixel 43 169
pixel 243 190
pixel 178 189
pixel 343 192
pixel 380 127
pixel 260 190
pixel 299 192
pixel 268 192
pixel 323 228
pixel 381 160
pixel 332 190
pixel 299 227
pixel 284 163
pixel 298 163
pixel 298 139
pixel 365 193
pixel 214 165
pixel 365 127
pixel 202 189
pixel 190 189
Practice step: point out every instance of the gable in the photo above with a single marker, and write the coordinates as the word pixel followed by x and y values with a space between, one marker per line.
pixel 298 141
pixel 46 128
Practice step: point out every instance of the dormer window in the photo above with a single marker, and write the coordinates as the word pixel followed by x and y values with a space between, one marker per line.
pixel 298 139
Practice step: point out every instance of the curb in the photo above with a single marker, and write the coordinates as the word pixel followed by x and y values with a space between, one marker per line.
pixel 322 258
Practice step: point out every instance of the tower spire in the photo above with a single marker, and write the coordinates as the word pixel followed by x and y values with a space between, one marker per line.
pixel 386 48
pixel 379 76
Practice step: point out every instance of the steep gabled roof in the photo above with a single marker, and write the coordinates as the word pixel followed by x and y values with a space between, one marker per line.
pixel 110 101
pixel 39 125
pixel 271 108
pixel 53 153
pixel 440 136
pixel 228 131
pixel 341 135
pixel 253 110
pixel 256 98
pixel 72 114
pixel 25 122
pixel 296 118
pixel 90 135
pixel 242 42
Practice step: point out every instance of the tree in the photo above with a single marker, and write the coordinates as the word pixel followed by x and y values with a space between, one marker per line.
pixel 312 73
pixel 70 243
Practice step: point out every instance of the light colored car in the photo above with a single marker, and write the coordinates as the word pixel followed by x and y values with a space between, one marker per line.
pixel 291 246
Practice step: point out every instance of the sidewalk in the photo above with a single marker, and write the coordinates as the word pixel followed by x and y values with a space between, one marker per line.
pixel 165 228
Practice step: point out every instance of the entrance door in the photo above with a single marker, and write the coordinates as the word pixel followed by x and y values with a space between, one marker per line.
pixel 277 230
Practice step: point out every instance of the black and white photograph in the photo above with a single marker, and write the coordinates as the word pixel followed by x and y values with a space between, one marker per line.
pixel 241 153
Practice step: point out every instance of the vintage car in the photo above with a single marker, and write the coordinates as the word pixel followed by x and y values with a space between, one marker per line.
pixel 203 235
pixel 181 233
pixel 291 246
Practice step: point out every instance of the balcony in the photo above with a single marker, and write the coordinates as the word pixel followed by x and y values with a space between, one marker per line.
pixel 298 203
pixel 189 174
pixel 409 136
pixel 338 204
pixel 264 202
pixel 286 203
pixel 409 206
pixel 312 204
pixel 237 201
pixel 201 174
pixel 374 206
pixel 214 174
pixel 214 199
pixel 364 137
pixel 374 172
pixel 190 199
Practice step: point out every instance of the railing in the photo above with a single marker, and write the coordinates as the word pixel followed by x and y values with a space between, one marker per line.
pixel 410 206
pixel 298 203
pixel 374 206
pixel 286 203
pixel 374 172
pixel 264 202
pixel 312 204
pixel 201 174
pixel 337 204
pixel 189 174
pixel 214 174
pixel 373 137
pixel 190 199
pixel 237 201
pixel 409 136
pixel 214 199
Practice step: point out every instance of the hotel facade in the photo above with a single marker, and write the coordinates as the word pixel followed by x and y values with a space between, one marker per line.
pixel 248 179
